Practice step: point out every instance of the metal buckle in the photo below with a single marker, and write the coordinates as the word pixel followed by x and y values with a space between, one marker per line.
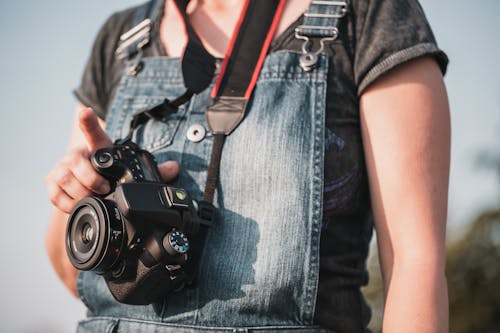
pixel 309 57
pixel 138 34
pixel 329 3
pixel 341 14
pixel 137 65
pixel 172 268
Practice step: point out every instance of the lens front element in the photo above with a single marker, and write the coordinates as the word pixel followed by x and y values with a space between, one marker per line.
pixel 85 231
pixel 95 235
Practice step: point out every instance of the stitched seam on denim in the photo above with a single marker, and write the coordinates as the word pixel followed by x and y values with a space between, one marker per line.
pixel 168 135
pixel 396 59
pixel 126 99
pixel 80 287
pixel 317 189
pixel 114 126
pixel 111 326
pixel 149 322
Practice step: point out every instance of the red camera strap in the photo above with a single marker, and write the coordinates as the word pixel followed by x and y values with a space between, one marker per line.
pixel 240 70
pixel 244 58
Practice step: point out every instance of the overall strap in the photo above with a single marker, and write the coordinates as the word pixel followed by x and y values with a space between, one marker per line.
pixel 321 20
pixel 198 66
pixel 134 40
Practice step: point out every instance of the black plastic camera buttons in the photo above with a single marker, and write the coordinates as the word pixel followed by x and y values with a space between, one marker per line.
pixel 105 160
pixel 175 243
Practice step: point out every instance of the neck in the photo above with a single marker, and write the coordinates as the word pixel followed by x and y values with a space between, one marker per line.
pixel 213 5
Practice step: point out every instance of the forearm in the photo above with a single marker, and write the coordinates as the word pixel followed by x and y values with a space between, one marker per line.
pixel 56 250
pixel 417 297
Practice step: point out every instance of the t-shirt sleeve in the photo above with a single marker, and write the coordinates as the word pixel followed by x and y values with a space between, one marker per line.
pixel 389 33
pixel 98 78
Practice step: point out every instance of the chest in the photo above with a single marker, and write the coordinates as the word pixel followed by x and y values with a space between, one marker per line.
pixel 214 24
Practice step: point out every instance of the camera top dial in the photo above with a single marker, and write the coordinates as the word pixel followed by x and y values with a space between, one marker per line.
pixel 125 162
pixel 175 243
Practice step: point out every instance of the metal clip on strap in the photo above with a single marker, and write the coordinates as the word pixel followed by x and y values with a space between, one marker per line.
pixel 134 40
pixel 320 20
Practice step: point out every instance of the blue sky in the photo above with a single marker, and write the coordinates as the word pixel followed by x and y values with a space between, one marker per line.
pixel 44 47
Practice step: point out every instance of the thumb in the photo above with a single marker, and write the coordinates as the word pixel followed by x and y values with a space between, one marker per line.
pixel 94 134
pixel 169 170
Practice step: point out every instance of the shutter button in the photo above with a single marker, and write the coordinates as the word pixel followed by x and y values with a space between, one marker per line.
pixel 196 133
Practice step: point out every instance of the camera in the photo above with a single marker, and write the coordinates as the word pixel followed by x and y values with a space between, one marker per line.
pixel 137 236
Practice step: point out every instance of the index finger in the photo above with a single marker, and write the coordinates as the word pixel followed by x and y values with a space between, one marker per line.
pixel 93 132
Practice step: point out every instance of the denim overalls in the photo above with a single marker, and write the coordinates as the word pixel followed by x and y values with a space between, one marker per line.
pixel 260 266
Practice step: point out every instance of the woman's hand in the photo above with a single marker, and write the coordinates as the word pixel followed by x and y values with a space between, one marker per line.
pixel 74 178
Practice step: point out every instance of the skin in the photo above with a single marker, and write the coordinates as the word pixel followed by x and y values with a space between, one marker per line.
pixel 72 179
pixel 406 134
pixel 405 125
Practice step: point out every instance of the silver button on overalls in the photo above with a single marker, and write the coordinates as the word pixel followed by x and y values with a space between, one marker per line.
pixel 196 133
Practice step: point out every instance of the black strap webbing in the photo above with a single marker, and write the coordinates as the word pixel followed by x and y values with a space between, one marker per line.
pixel 241 66
pixel 159 111
pixel 213 168
pixel 248 48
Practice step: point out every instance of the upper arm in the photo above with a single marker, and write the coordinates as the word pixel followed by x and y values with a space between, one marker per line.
pixel 406 134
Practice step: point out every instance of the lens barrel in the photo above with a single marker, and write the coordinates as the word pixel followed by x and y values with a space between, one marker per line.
pixel 95 235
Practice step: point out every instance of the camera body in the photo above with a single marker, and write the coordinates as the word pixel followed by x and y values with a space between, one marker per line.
pixel 136 237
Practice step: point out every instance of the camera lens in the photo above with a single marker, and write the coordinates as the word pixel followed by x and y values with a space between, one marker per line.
pixel 85 230
pixel 95 235
pixel 88 233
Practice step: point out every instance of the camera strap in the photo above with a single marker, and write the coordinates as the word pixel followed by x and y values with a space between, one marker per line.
pixel 239 72
pixel 240 69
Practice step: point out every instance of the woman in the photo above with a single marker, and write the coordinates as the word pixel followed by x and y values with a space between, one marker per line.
pixel 365 132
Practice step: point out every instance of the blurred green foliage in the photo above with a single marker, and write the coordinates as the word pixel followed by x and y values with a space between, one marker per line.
pixel 473 273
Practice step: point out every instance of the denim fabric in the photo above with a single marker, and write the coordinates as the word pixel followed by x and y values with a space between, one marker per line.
pixel 260 266
pixel 115 325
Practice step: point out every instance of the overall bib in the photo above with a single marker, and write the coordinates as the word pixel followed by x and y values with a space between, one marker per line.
pixel 260 265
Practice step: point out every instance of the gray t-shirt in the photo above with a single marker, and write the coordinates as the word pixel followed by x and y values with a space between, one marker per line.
pixel 375 36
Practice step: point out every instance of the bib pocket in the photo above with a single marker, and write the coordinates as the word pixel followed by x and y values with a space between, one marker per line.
pixel 156 133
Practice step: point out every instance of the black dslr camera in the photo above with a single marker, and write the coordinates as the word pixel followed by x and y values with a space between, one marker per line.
pixel 137 236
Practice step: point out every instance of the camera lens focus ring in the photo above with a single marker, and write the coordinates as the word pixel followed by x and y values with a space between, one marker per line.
pixel 94 235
